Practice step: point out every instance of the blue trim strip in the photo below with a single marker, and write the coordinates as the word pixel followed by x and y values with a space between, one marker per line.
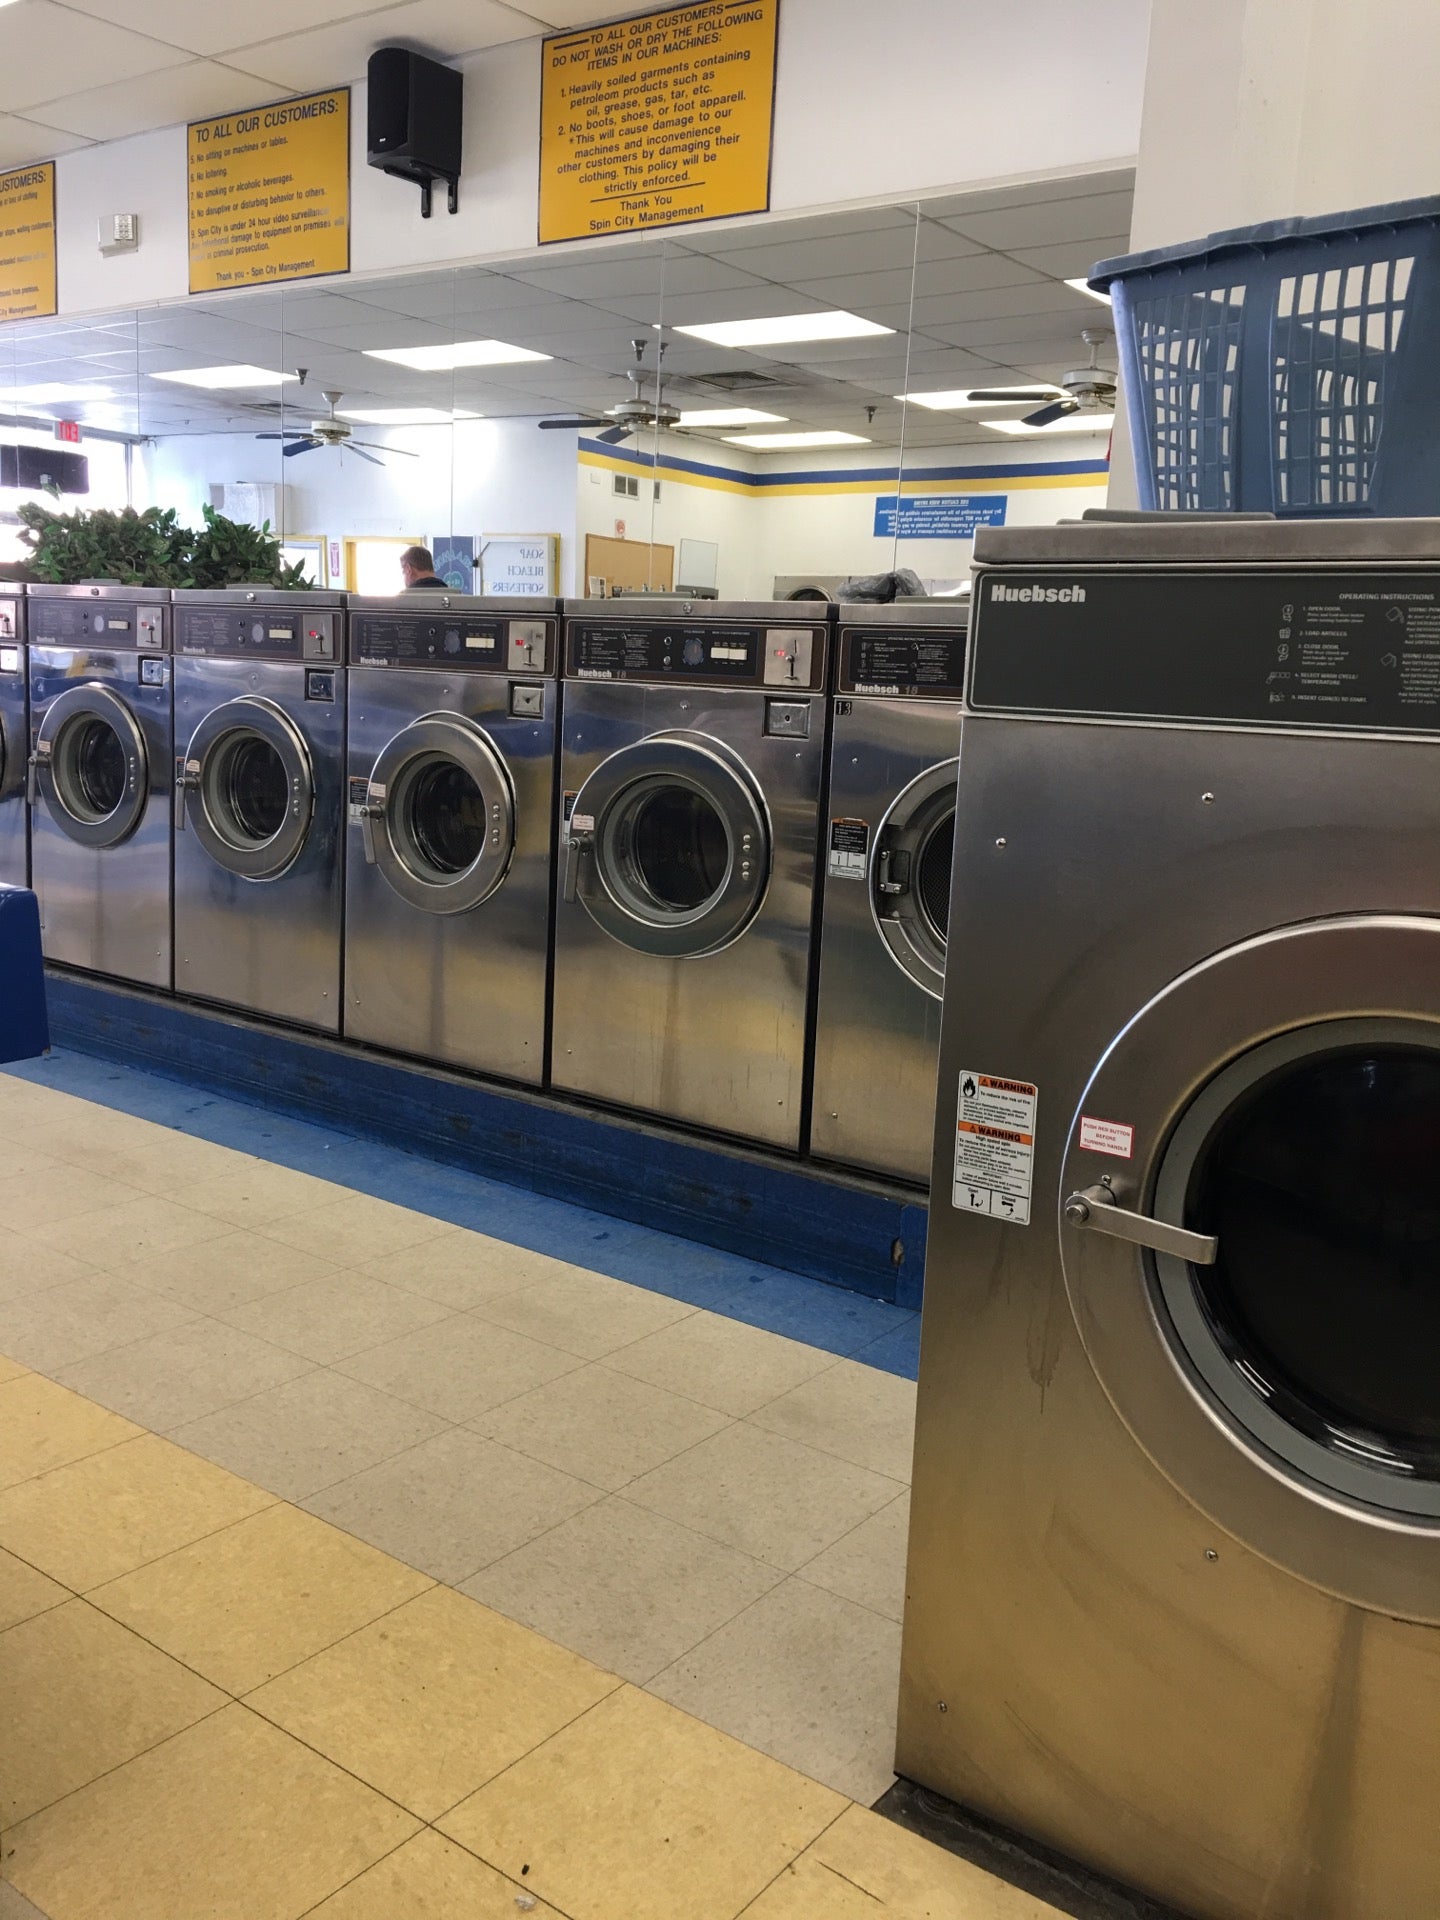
pixel 1024 470
pixel 507 1160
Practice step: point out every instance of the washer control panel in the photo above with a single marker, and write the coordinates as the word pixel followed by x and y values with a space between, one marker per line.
pixel 101 622
pixel 698 652
pixel 260 632
pixel 923 662
pixel 470 642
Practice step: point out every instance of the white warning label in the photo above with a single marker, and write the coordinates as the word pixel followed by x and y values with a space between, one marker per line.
pixel 1107 1136
pixel 994 1146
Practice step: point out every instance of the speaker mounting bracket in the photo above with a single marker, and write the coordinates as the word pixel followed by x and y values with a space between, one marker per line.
pixel 452 195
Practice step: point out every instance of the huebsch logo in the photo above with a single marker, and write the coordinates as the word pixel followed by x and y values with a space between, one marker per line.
pixel 1071 595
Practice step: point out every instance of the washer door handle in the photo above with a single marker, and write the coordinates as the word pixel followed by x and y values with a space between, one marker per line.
pixel 1094 1208
pixel 186 782
pixel 579 839
pixel 40 757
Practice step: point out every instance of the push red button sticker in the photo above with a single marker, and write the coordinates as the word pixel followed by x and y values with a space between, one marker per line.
pixel 1107 1136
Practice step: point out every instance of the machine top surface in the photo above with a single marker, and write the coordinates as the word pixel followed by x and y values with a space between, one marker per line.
pixel 914 649
pixel 456 634
pixel 1178 537
pixel 257 596
pixel 1328 647
pixel 424 600
pixel 100 590
pixel 767 644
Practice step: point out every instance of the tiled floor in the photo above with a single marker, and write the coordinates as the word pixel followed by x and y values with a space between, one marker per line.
pixel 359 1563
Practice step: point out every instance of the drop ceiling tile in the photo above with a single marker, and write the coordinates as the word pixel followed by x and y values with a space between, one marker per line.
pixel 158 99
pixel 43 56
pixel 635 279
pixel 210 28
pixel 844 253
pixel 1050 224
pixel 327 56
pixel 1075 186
pixel 774 232
pixel 1008 338
pixel 1073 259
pixel 23 141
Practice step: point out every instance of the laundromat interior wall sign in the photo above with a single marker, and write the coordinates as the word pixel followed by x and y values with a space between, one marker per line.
pixel 27 242
pixel 658 121
pixel 270 193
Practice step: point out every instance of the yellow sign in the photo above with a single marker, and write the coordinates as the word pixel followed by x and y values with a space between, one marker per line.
pixel 657 121
pixel 27 242
pixel 270 193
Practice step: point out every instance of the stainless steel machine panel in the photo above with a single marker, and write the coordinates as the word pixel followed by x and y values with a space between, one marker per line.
pixel 452 723
pixel 14 745
pixel 895 737
pixel 1173 1598
pixel 98 778
pixel 259 801
pixel 691 766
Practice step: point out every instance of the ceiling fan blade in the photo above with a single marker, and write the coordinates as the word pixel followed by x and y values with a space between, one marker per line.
pixel 1057 410
pixel 612 436
pixel 570 425
pixel 299 446
pixel 1001 396
pixel 382 446
pixel 292 435
pixel 361 454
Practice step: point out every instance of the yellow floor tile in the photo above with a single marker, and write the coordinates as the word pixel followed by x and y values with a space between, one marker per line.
pixel 11 1370
pixel 79 1695
pixel 24 1591
pixel 258 1598
pixel 434 1699
pixel 43 1426
pixel 429 1879
pixel 231 1820
pixel 637 1812
pixel 98 1518
pixel 865 1867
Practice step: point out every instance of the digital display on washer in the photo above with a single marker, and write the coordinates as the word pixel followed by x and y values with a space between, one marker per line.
pixel 418 639
pixel 97 623
pixel 889 660
pixel 262 633
pixel 1283 648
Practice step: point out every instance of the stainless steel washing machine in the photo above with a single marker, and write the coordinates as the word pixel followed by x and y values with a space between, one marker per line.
pixel 692 761
pixel 98 781
pixel 452 721
pixel 14 744
pixel 259 801
pixel 1174 1582
pixel 894 747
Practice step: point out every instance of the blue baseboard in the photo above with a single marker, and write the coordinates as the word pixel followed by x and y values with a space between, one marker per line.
pixel 851 1233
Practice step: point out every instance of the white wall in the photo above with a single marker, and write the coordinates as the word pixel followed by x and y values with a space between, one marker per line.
pixel 495 476
pixel 682 512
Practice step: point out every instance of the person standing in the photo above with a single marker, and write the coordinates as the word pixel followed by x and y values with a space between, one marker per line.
pixel 417 569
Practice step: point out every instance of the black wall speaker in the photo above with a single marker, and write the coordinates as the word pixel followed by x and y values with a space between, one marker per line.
pixel 36 467
pixel 414 123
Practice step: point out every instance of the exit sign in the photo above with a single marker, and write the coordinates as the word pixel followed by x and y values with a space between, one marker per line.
pixel 68 430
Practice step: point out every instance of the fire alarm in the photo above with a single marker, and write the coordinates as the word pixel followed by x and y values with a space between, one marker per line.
pixel 119 233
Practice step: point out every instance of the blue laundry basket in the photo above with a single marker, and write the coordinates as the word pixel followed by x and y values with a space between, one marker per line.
pixel 1291 368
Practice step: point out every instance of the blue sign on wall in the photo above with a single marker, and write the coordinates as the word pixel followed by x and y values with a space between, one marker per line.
pixel 939 516
pixel 455 560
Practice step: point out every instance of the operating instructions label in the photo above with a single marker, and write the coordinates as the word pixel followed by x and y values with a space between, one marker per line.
pixel 994 1146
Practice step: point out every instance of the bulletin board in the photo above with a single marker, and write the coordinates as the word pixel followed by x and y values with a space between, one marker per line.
pixel 632 565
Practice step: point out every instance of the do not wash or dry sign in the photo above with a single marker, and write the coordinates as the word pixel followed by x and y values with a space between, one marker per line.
pixel 658 121
pixel 270 193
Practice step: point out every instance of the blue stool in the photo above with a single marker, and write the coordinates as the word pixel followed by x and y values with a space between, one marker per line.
pixel 24 1028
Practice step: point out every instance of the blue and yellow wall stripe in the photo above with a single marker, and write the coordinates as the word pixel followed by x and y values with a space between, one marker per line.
pixel 1008 477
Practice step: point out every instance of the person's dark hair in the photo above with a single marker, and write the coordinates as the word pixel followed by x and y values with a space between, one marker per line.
pixel 420 558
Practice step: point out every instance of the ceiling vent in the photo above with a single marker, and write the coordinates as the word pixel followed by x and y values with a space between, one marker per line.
pixel 742 380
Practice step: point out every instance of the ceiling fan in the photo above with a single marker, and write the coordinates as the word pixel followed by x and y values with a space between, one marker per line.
pixel 1086 389
pixel 629 416
pixel 332 432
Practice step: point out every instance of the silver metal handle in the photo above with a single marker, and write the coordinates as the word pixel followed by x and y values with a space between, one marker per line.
pixel 576 847
pixel 368 816
pixel 185 782
pixel 32 776
pixel 1095 1208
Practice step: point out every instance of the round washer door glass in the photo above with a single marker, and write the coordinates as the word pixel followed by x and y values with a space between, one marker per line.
pixel 92 767
pixel 248 788
pixel 669 845
pixel 910 875
pixel 439 814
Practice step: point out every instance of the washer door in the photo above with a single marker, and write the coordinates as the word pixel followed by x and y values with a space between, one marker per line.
pixel 1258 1285
pixel 669 845
pixel 246 788
pixel 910 875
pixel 439 814
pixel 91 767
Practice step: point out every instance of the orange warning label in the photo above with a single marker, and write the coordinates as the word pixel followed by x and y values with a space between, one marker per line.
pixel 994 1146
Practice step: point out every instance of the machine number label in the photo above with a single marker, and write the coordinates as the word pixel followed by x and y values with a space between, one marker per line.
pixel 1107 1136
pixel 994 1146
pixel 849 849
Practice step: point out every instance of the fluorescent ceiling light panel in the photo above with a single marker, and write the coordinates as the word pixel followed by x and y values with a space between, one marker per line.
pixel 464 353
pixel 959 397
pixel 215 377
pixel 1071 423
pixel 1082 286
pixel 784 330
pixel 769 441
pixel 55 394
pixel 406 416
pixel 730 417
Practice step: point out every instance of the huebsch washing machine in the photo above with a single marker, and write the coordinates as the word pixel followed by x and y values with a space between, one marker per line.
pixel 14 744
pixel 452 725
pixel 99 777
pixel 894 746
pixel 1174 1583
pixel 259 800
pixel 692 761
